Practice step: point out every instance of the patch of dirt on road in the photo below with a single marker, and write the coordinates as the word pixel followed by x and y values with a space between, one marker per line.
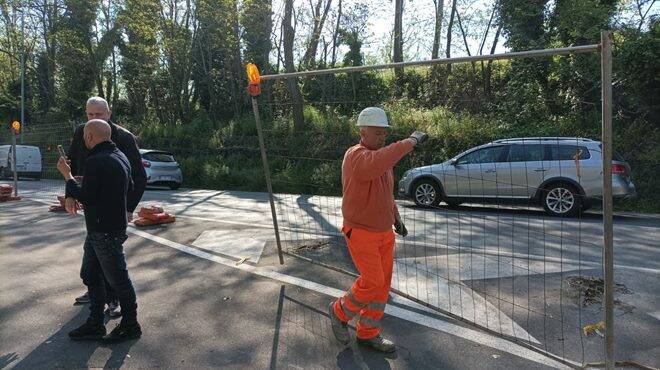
pixel 588 290
pixel 308 247
pixel 329 250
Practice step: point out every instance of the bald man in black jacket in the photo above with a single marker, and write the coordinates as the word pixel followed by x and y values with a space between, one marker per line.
pixel 97 108
pixel 106 183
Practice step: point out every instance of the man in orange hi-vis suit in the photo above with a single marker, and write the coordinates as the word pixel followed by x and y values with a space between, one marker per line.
pixel 369 213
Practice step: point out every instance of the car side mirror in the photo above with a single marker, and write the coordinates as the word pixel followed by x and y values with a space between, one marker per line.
pixel 454 162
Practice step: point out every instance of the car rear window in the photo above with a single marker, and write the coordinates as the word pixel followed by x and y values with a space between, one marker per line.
pixel 616 156
pixel 158 157
pixel 566 152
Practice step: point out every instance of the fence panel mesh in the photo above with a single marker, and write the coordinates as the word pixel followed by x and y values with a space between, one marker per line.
pixel 480 247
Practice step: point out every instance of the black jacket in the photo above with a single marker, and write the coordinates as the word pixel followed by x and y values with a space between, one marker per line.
pixel 106 182
pixel 125 142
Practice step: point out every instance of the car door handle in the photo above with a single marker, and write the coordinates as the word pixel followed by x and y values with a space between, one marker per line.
pixel 490 171
pixel 540 170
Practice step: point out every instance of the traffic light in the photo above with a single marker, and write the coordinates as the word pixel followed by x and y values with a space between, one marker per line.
pixel 16 127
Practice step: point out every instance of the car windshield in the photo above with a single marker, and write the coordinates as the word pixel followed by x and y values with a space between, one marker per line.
pixel 158 157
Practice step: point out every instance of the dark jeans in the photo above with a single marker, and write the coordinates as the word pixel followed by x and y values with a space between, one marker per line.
pixel 110 295
pixel 103 260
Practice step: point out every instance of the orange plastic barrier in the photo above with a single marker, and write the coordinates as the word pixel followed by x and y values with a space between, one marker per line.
pixel 153 215
pixel 60 207
pixel 5 193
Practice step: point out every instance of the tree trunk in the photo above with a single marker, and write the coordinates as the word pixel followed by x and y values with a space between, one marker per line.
pixel 279 49
pixel 490 22
pixel 465 42
pixel 115 95
pixel 398 37
pixel 335 36
pixel 449 28
pixel 467 49
pixel 492 50
pixel 439 6
pixel 237 66
pixel 292 83
pixel 483 40
pixel 319 20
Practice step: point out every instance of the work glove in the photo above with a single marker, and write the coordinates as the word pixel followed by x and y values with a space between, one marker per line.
pixel 420 137
pixel 399 227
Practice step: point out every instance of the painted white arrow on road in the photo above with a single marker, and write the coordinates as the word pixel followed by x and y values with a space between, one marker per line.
pixel 442 283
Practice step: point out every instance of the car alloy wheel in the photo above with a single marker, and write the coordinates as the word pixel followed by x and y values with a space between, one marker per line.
pixel 425 194
pixel 560 200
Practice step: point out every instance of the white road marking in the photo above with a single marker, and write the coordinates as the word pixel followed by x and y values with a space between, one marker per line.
pixel 453 295
pixel 655 315
pixel 234 243
pixel 430 322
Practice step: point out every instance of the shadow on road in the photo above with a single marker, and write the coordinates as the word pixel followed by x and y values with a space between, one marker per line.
pixel 59 352
pixel 303 339
pixel 6 360
pixel 509 210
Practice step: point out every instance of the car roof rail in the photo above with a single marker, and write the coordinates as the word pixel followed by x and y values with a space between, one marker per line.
pixel 543 138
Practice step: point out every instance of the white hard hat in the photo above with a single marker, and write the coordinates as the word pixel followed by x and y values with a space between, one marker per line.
pixel 372 116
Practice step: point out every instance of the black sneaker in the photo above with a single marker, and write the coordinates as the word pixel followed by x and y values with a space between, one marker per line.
pixel 123 332
pixel 83 298
pixel 90 330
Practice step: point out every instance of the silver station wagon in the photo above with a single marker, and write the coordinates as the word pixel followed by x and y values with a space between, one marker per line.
pixel 561 174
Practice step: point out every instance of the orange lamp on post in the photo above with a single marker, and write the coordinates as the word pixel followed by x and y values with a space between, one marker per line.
pixel 16 127
pixel 254 80
pixel 254 89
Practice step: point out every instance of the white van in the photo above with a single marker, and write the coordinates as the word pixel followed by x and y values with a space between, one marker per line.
pixel 28 159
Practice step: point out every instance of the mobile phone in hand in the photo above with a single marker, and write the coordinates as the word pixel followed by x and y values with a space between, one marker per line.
pixel 61 151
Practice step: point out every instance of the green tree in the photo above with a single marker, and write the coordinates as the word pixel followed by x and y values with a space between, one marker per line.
pixel 74 39
pixel 140 21
pixel 257 27
pixel 172 94
pixel 352 29
pixel 218 72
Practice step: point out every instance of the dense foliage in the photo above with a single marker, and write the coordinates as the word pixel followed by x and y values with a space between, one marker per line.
pixel 173 72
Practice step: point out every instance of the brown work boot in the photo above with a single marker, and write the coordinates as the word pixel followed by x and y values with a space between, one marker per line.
pixel 378 343
pixel 339 328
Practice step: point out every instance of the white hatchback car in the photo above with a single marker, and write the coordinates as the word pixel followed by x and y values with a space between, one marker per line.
pixel 161 168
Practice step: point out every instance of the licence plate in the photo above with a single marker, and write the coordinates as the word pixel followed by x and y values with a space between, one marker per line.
pixel 166 178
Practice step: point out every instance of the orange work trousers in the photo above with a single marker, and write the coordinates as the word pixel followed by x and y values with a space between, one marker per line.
pixel 372 253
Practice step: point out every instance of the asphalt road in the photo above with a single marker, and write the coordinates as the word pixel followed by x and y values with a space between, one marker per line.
pixel 505 268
